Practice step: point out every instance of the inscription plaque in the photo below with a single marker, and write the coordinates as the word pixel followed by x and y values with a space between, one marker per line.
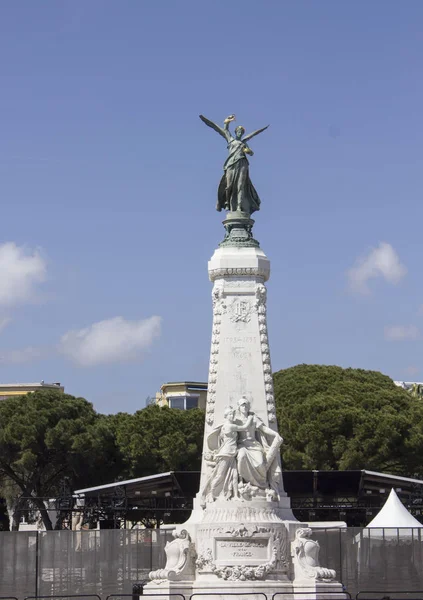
pixel 241 551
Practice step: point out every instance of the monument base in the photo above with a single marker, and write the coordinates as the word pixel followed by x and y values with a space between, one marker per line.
pixel 259 590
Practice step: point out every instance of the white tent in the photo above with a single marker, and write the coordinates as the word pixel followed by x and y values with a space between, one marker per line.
pixel 392 520
pixel 389 549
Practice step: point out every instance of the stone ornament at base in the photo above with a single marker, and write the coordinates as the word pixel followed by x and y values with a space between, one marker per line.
pixel 241 552
pixel 180 554
pixel 305 556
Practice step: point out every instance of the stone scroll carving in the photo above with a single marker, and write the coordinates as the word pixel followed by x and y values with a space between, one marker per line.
pixel 219 308
pixel 260 306
pixel 180 563
pixel 242 456
pixel 305 554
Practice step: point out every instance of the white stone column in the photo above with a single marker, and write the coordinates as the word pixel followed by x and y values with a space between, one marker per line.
pixel 239 535
pixel 239 357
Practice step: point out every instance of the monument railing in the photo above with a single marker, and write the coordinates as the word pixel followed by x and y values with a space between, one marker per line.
pixel 390 595
pixel 105 562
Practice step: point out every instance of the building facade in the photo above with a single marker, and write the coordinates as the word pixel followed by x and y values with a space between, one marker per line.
pixel 182 395
pixel 8 390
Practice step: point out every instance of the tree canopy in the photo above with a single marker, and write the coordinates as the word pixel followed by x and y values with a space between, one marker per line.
pixel 48 438
pixel 330 418
pixel 158 439
pixel 334 418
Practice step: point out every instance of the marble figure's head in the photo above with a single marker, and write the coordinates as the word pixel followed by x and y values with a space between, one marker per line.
pixel 244 405
pixel 239 132
pixel 229 413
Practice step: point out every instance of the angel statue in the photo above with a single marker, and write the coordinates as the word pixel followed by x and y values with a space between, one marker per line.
pixel 236 192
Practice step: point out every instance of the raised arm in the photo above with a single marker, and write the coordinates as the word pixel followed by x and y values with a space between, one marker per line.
pixel 248 422
pixel 278 439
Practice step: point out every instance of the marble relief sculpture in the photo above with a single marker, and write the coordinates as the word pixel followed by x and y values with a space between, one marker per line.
pixel 222 442
pixel 258 446
pixel 242 452
pixel 180 554
pixel 305 553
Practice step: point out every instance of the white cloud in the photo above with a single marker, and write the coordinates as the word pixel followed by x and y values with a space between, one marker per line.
pixel 25 355
pixel 20 271
pixel 382 261
pixel 399 333
pixel 110 341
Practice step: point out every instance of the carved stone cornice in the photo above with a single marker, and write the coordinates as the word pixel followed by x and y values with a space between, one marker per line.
pixel 256 271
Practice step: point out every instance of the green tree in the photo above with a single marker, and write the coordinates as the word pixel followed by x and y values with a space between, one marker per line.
pixel 44 437
pixel 158 439
pixel 334 418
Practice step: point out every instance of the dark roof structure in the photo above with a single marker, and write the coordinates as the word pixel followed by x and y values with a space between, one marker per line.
pixel 351 496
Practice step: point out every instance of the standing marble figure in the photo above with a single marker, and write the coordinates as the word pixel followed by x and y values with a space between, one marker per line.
pixel 236 192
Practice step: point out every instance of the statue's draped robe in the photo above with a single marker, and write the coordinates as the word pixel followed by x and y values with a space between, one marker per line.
pixel 236 192
pixel 251 459
pixel 222 479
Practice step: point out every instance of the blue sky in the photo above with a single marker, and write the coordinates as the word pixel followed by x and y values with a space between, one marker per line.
pixel 108 185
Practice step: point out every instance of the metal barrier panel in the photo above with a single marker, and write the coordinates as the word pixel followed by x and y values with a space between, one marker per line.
pixel 100 561
pixel 18 555
pixel 232 595
pixel 64 596
pixel 388 559
pixel 162 595
pixel 311 594
pixel 390 595
pixel 105 562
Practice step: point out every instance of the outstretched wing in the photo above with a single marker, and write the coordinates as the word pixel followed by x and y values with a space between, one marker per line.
pixel 213 126
pixel 251 135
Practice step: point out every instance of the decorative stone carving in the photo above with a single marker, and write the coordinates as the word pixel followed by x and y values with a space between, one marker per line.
pixel 262 272
pixel 241 453
pixel 241 553
pixel 222 456
pixel 259 469
pixel 235 572
pixel 219 308
pixel 180 563
pixel 305 554
pixel 240 311
pixel 234 283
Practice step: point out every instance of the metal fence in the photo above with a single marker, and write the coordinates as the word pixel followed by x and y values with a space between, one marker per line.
pixel 109 562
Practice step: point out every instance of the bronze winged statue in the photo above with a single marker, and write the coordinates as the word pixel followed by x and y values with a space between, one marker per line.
pixel 236 192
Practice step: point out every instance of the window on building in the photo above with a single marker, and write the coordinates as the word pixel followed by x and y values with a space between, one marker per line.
pixel 183 402
pixel 177 402
pixel 191 402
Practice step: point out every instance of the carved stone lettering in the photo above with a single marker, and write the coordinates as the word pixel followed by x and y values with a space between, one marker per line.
pixel 240 339
pixel 240 310
pixel 249 552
